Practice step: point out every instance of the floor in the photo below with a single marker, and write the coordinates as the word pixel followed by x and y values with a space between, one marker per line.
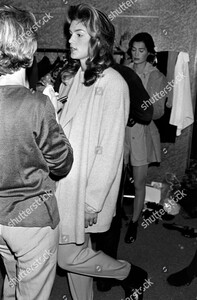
pixel 158 250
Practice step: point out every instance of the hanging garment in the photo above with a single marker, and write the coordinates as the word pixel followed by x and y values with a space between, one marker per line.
pixel 44 67
pixel 172 59
pixel 58 66
pixel 166 61
pixel 162 61
pixel 182 111
pixel 167 131
pixel 32 74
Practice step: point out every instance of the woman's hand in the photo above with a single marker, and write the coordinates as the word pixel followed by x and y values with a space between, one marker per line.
pixel 90 219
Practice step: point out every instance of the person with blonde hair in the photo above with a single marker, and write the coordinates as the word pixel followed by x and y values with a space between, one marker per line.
pixel 32 145
pixel 94 119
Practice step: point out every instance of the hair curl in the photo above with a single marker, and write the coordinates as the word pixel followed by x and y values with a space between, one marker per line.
pixel 102 35
pixel 17 39
pixel 147 39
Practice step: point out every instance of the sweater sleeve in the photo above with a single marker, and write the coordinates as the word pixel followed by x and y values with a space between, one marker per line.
pixel 109 152
pixel 53 143
pixel 140 112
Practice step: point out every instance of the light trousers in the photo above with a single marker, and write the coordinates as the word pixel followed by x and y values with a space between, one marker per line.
pixel 83 263
pixel 30 258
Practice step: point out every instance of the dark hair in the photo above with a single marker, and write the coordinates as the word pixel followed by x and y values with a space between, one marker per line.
pixel 102 34
pixel 147 39
pixel 17 39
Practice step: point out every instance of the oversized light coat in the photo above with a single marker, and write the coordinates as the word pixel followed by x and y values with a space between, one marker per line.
pixel 94 120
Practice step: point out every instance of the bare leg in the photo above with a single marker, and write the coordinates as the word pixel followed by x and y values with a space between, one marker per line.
pixel 139 175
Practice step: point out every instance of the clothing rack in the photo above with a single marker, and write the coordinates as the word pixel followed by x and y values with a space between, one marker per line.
pixel 56 50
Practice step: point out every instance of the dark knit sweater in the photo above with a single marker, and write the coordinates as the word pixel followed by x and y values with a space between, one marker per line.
pixel 138 94
pixel 32 145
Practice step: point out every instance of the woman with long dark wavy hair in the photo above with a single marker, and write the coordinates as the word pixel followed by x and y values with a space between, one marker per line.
pixel 94 119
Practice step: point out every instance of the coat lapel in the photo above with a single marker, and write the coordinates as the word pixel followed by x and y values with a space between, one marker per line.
pixel 72 104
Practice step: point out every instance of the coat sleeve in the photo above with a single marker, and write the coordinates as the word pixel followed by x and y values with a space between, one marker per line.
pixel 53 143
pixel 109 151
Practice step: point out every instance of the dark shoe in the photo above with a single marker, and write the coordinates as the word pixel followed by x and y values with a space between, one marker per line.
pixel 104 284
pixel 183 277
pixel 184 230
pixel 174 226
pixel 131 234
pixel 189 233
pixel 135 280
